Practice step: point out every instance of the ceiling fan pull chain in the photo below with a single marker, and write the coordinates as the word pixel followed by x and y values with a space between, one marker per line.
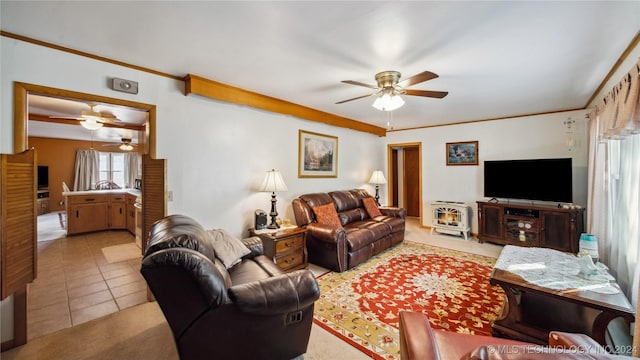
pixel 389 120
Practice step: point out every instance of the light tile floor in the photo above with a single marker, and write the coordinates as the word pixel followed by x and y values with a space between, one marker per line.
pixel 76 284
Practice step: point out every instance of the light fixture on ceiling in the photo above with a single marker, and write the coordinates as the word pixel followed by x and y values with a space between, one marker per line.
pixel 91 123
pixel 388 101
pixel 126 147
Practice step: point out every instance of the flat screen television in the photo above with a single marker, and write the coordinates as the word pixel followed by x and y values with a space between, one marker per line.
pixel 532 179
pixel 43 176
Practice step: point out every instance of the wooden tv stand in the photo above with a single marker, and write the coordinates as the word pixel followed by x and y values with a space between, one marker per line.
pixel 530 225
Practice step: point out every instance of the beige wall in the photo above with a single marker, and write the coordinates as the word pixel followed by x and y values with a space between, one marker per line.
pixel 60 155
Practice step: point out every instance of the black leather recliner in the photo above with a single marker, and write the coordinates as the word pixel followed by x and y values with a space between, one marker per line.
pixel 252 311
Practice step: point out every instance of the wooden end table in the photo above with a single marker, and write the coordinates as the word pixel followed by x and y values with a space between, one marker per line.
pixel 286 246
pixel 531 311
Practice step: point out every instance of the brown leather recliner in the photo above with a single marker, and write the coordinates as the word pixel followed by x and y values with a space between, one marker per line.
pixel 418 341
pixel 360 236
pixel 252 311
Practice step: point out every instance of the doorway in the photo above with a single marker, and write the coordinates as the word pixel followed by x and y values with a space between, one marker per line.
pixel 405 174
pixel 147 142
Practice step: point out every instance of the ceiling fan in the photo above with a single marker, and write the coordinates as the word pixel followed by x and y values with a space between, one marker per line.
pixel 91 119
pixel 125 144
pixel 390 88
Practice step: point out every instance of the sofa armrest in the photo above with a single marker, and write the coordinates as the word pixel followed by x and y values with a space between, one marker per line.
pixel 576 342
pixel 416 337
pixel 254 244
pixel 325 233
pixel 276 295
pixel 394 211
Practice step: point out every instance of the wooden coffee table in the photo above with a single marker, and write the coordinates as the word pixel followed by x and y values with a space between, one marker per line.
pixel 531 311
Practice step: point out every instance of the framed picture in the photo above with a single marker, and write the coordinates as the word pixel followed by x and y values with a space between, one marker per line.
pixel 462 153
pixel 317 155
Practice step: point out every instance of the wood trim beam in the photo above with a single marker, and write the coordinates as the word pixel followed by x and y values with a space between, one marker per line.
pixel 21 91
pixel 483 120
pixel 212 89
pixel 45 118
pixel 86 54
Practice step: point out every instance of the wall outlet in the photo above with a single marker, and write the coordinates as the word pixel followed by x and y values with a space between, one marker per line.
pixel 169 195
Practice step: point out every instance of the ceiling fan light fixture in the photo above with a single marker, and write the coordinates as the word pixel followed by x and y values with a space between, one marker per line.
pixel 126 147
pixel 387 102
pixel 91 124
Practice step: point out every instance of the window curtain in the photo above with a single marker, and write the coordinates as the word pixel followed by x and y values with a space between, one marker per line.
pixel 614 184
pixel 87 169
pixel 131 165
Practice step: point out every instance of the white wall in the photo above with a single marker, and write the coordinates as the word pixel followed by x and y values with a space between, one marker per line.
pixel 531 137
pixel 216 152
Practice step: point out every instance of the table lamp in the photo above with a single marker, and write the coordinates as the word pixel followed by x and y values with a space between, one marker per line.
pixel 377 178
pixel 273 182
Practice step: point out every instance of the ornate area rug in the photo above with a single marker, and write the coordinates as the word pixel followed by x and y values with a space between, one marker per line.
pixel 361 305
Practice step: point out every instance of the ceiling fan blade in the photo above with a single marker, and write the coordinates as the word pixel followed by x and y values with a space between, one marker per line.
pixel 352 82
pixel 355 98
pixel 66 117
pixel 427 93
pixel 110 120
pixel 418 78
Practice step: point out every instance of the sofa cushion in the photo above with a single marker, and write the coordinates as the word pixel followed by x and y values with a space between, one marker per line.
pixel 371 207
pixel 395 223
pixel 352 215
pixel 248 271
pixel 344 200
pixel 229 249
pixel 316 199
pixel 379 229
pixel 357 237
pixel 327 215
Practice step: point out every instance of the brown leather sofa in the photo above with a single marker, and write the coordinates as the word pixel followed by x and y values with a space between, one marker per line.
pixel 252 311
pixel 418 341
pixel 359 238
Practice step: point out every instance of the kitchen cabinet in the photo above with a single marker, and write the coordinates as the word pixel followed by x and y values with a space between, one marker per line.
pixel 86 213
pixel 131 213
pixel 118 210
pixel 100 210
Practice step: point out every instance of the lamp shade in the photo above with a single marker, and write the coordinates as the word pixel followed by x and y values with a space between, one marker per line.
pixel 377 178
pixel 273 182
pixel 91 124
pixel 388 102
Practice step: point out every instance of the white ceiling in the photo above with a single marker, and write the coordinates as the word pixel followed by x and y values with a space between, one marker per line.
pixel 496 59
pixel 57 108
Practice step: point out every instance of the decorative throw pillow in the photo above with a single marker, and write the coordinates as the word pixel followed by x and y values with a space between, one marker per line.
pixel 228 248
pixel 371 207
pixel 327 215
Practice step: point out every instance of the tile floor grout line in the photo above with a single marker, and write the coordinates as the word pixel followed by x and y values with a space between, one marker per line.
pixel 67 251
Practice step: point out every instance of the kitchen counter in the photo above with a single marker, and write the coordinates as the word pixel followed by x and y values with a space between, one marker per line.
pixel 130 191
pixel 98 210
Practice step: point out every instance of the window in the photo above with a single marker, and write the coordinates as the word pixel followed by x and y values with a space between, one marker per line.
pixel 112 167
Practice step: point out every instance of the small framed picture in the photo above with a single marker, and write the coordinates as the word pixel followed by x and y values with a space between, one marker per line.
pixel 462 153
pixel 317 155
